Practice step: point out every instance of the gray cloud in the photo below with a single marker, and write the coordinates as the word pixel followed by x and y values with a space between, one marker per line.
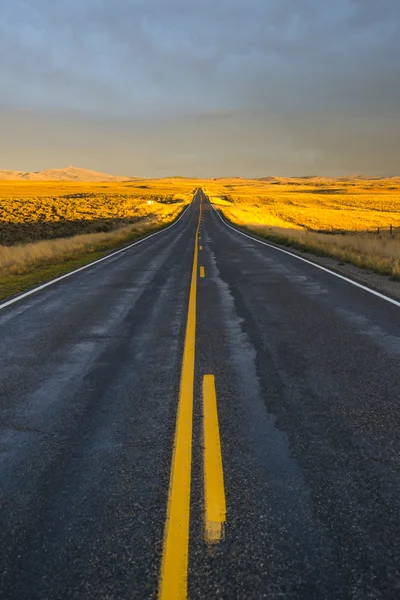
pixel 261 85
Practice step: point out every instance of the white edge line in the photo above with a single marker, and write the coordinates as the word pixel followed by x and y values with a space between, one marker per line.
pixel 91 264
pixel 309 262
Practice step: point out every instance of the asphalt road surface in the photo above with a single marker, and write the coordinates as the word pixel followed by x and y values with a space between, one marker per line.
pixel 125 473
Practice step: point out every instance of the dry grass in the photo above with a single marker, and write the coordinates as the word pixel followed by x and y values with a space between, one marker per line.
pixel 313 204
pixel 20 259
pixel 47 216
pixel 301 212
pixel 368 251
pixel 31 211
pixel 295 211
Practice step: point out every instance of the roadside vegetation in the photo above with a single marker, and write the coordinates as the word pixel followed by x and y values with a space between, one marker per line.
pixel 348 219
pixel 367 251
pixel 32 211
pixel 48 216
pixel 48 228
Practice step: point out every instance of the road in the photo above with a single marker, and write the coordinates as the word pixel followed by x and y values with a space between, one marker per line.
pixel 200 416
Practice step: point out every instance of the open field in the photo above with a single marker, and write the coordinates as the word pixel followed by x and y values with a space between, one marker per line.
pixel 337 218
pixel 31 211
pixel 314 204
pixel 49 228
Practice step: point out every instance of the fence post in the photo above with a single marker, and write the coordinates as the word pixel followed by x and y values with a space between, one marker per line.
pixel 391 230
pixel 378 230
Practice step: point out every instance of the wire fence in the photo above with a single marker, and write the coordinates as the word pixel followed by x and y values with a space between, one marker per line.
pixel 390 231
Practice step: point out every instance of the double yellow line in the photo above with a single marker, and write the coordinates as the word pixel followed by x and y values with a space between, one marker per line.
pixel 174 566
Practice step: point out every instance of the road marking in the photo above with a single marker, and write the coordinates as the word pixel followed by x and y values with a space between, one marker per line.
pixel 95 262
pixel 174 567
pixel 310 262
pixel 202 272
pixel 214 491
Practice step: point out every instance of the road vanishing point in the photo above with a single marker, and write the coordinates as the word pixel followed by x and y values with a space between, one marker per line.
pixel 200 415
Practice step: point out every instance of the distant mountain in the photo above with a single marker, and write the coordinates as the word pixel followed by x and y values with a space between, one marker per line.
pixel 67 174
pixel 322 179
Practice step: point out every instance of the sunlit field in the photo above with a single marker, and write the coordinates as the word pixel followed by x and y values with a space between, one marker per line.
pixel 313 204
pixel 46 225
pixel 347 219
pixel 32 211
pixel 47 228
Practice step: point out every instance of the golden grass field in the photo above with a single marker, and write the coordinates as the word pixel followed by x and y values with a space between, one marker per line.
pixel 32 211
pixel 49 227
pixel 337 218
pixel 315 204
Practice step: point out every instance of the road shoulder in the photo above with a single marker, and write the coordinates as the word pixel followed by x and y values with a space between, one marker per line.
pixel 367 277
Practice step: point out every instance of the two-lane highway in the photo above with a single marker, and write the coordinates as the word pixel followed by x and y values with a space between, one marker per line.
pixel 200 416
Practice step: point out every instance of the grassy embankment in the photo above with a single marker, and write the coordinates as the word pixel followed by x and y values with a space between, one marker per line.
pixel 334 218
pixel 48 215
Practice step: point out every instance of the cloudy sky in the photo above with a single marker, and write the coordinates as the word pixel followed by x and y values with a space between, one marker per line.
pixel 201 87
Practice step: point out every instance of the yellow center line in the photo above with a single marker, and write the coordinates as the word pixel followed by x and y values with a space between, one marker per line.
pixel 202 272
pixel 214 491
pixel 174 564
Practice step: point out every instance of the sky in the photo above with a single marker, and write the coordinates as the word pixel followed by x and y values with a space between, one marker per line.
pixel 202 88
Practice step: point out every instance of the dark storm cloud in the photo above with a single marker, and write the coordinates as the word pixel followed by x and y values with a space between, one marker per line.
pixel 261 85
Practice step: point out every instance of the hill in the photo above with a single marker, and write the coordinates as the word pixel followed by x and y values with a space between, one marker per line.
pixel 66 174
